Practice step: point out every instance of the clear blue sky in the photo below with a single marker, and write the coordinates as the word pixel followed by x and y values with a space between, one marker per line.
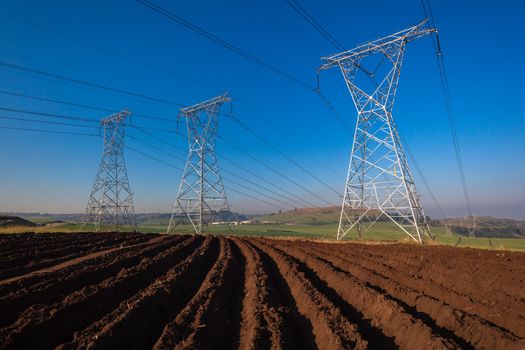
pixel 482 42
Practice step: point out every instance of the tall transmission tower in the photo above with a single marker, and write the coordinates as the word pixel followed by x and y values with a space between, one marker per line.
pixel 111 202
pixel 379 185
pixel 201 198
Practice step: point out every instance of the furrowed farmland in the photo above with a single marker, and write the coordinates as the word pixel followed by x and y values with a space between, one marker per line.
pixel 131 290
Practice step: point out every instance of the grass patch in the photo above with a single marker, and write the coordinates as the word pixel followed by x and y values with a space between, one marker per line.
pixel 380 232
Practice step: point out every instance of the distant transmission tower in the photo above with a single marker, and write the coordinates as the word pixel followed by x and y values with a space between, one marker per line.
pixel 379 185
pixel 201 198
pixel 110 202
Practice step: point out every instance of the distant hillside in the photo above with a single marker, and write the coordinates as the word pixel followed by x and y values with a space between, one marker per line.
pixel 164 218
pixel 313 216
pixel 11 221
pixel 486 226
pixel 142 219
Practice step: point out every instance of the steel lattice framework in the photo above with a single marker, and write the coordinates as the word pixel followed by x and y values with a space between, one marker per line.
pixel 201 198
pixel 111 202
pixel 379 183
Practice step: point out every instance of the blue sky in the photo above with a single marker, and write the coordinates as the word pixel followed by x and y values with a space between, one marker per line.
pixel 53 173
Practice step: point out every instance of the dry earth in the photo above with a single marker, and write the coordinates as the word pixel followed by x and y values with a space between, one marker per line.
pixel 157 291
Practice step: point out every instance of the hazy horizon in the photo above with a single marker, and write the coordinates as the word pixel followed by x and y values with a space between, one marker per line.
pixel 54 172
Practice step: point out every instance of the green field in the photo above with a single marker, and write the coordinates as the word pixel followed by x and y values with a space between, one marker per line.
pixel 381 231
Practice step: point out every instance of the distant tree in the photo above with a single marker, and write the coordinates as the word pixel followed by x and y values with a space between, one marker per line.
pixel 280 211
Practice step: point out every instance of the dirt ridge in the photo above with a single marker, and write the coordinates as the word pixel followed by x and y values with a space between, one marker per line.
pixel 131 290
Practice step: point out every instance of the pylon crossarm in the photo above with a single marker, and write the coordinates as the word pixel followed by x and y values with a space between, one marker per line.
pixel 219 100
pixel 405 35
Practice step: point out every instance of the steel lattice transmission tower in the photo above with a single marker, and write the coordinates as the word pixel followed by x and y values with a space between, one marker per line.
pixel 111 202
pixel 379 185
pixel 201 198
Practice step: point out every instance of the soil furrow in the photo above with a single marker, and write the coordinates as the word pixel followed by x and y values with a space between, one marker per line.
pixel 394 283
pixel 460 326
pixel 139 321
pixel 383 312
pixel 217 322
pixel 52 247
pixel 71 252
pixel 331 329
pixel 27 241
pixel 475 303
pixel 48 325
pixel 295 329
pixel 216 308
pixel 262 320
pixel 440 265
pixel 34 282
pixel 54 288
pixel 129 290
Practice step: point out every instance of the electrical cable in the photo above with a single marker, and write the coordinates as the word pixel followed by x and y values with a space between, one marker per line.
pixel 48 131
pixel 49 122
pixel 269 144
pixel 89 84
pixel 235 49
pixel 276 171
pixel 450 111
pixel 238 166
pixel 315 24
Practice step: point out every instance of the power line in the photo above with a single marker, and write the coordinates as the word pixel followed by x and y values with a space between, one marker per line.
pixel 45 99
pixel 133 150
pixel 152 157
pixel 89 84
pixel 80 105
pixel 99 48
pixel 141 128
pixel 269 144
pixel 236 165
pixel 222 42
pixel 329 105
pixel 231 173
pixel 418 169
pixel 276 171
pixel 450 109
pixel 279 27
pixel 140 95
pixel 67 117
pixel 189 25
pixel 299 201
pixel 249 196
pixel 155 147
pixel 50 115
pixel 48 131
pixel 224 170
pixel 237 50
pixel 180 169
pixel 48 122
pixel 315 24
pixel 256 191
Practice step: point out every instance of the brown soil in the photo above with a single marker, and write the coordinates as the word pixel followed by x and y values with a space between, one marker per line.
pixel 157 291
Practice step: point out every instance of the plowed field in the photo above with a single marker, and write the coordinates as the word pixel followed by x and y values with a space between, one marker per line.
pixel 138 291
